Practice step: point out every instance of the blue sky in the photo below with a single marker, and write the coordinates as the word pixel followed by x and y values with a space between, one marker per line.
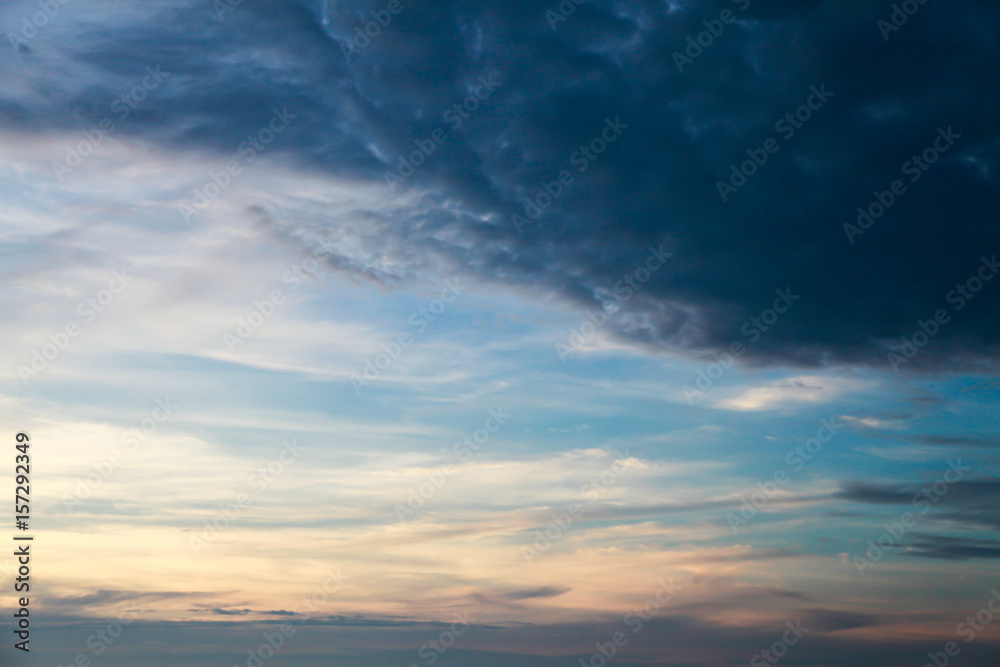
pixel 661 385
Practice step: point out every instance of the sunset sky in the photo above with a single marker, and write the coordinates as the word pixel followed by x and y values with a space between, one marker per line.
pixel 501 329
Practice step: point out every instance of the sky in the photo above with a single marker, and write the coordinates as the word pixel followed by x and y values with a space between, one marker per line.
pixel 502 333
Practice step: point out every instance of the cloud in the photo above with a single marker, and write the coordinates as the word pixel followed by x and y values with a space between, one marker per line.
pixel 968 503
pixel 896 427
pixel 783 229
pixel 353 123
pixel 541 592
pixel 842 637
pixel 789 392
pixel 941 547
pixel 954 441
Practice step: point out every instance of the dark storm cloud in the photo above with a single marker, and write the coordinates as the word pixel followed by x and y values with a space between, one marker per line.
pixel 656 184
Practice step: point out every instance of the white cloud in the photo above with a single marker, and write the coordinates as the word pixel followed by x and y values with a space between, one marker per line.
pixel 789 392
